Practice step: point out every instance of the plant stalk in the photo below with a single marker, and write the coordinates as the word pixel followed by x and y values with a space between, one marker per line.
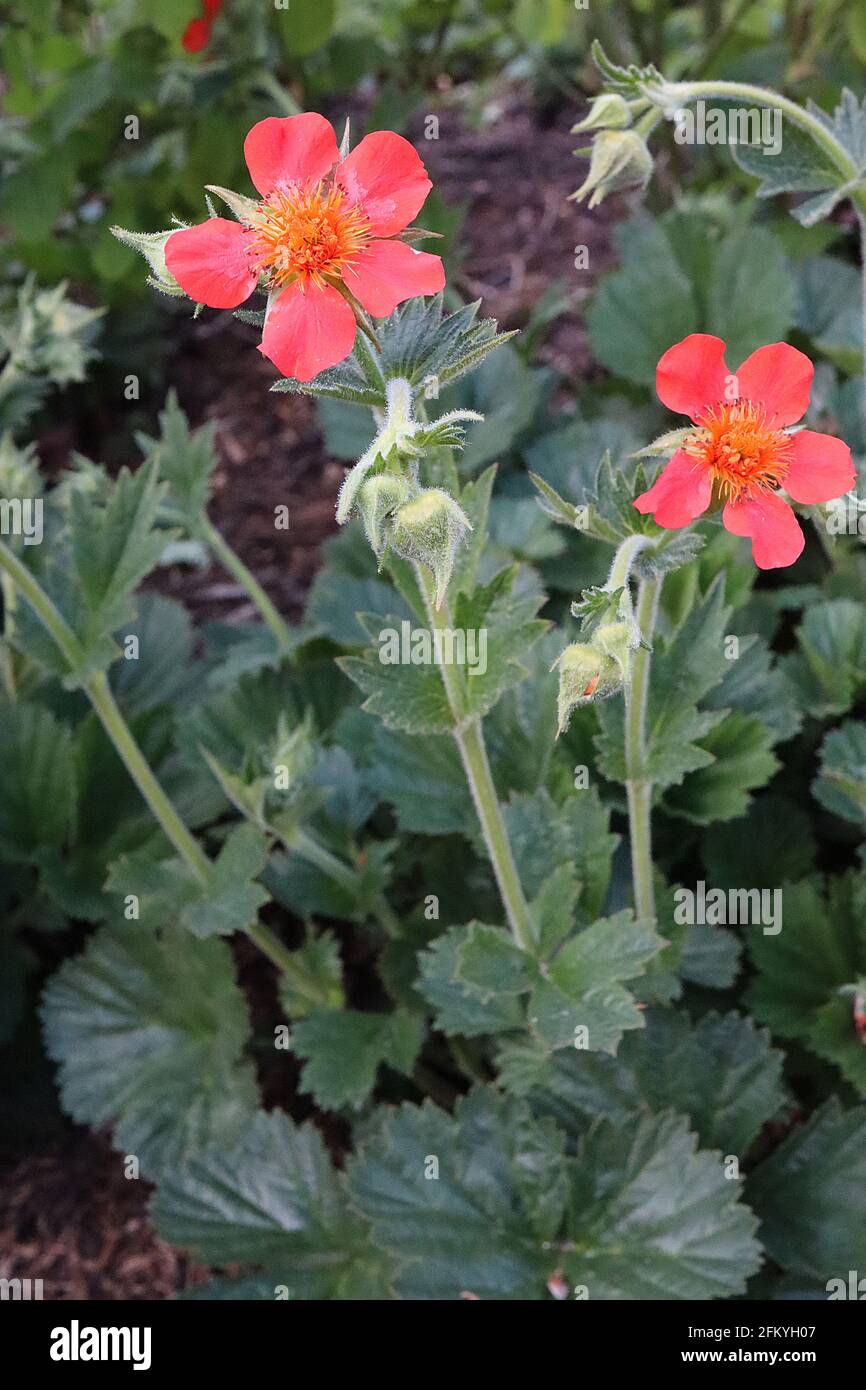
pixel 7 655
pixel 797 115
pixel 238 570
pixel 343 874
pixel 638 784
pixel 469 737
pixel 625 558
pixel 100 695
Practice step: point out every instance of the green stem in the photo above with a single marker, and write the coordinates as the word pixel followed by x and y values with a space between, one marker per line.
pixel 314 853
pixel 267 83
pixel 386 917
pixel 99 693
pixel 717 38
pixel 7 654
pixel 469 737
pixel 43 606
pixel 270 946
pixel 624 559
pixel 343 874
pixel 638 784
pixel 682 92
pixel 236 567
pixel 815 40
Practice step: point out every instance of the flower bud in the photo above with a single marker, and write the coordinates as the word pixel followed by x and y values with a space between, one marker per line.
pixel 609 111
pixel 618 640
pixel 379 497
pixel 429 529
pixel 586 673
pixel 620 159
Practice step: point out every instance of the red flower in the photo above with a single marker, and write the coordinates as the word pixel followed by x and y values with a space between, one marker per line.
pixel 320 234
pixel 741 453
pixel 195 35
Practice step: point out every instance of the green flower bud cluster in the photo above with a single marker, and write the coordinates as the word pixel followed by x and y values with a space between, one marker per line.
pixel 600 666
pixel 425 525
pixel 422 524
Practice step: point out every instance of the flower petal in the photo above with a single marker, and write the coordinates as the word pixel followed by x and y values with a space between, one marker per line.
pixel 821 468
pixel 290 149
pixel 777 539
pixel 692 375
pixel 385 176
pixel 679 494
pixel 211 263
pixel 308 329
pixel 387 272
pixel 780 378
pixel 195 35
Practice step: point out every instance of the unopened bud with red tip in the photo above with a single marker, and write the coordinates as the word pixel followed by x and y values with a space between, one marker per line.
pixel 429 529
pixel 585 674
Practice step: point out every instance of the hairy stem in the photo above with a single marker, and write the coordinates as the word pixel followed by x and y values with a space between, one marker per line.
pixel 682 92
pixel 247 580
pixel 469 737
pixel 624 559
pixel 638 784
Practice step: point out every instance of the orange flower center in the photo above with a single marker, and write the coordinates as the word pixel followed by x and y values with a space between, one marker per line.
pixel 745 455
pixel 308 233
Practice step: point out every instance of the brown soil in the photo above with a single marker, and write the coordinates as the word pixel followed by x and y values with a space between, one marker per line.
pixel 69 1217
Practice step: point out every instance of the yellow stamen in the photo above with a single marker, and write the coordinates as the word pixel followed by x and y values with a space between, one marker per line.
pixel 745 455
pixel 307 233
